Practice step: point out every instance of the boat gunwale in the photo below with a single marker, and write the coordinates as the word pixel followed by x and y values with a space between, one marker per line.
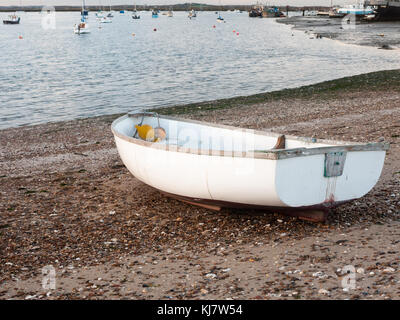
pixel 271 154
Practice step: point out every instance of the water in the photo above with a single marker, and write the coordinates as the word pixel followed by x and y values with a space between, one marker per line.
pixel 53 75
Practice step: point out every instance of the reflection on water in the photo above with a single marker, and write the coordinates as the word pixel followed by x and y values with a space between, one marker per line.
pixel 52 75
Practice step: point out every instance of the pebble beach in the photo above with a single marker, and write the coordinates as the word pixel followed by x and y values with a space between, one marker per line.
pixel 67 201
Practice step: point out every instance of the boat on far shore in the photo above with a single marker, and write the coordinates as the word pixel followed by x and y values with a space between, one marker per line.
pixel 358 10
pixel 259 11
pixel 333 13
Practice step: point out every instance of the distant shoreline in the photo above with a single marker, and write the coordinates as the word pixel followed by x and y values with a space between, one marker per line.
pixel 176 7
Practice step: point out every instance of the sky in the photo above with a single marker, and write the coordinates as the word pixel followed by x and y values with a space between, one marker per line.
pixel 166 2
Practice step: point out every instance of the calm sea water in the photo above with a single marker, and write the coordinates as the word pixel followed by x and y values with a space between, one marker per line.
pixel 53 75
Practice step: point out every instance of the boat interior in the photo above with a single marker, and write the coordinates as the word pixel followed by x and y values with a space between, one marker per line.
pixel 197 135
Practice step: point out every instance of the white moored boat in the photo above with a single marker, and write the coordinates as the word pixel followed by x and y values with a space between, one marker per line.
pixel 221 166
pixel 81 28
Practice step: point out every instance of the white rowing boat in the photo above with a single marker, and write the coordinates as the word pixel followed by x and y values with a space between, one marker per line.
pixel 222 166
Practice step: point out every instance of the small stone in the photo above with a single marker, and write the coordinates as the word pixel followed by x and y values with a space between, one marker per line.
pixel 323 291
pixel 360 270
pixel 211 275
pixel 318 274
pixel 389 270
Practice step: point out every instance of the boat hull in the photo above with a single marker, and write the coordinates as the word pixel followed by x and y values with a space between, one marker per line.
pixel 11 21
pixel 81 31
pixel 282 179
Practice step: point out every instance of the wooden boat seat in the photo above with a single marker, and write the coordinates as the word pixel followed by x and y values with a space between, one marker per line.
pixel 280 143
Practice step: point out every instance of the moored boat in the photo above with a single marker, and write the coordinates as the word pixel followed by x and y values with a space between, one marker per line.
pixel 222 166
pixel 12 19
pixel 100 15
pixel 135 16
pixel 192 14
pixel 82 27
pixel 105 20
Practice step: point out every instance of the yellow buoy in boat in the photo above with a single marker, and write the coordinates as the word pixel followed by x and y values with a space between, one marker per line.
pixel 146 132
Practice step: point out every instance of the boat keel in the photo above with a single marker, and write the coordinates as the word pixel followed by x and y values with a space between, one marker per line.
pixel 311 214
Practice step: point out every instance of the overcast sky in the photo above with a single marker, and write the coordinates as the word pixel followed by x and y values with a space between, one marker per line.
pixel 153 2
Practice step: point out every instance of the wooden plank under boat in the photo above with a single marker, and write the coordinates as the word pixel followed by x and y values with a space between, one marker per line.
pixel 223 166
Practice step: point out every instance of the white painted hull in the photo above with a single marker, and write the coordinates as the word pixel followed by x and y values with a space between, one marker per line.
pixel 223 166
pixel 105 20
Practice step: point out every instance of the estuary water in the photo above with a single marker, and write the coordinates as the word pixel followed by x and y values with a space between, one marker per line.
pixel 51 74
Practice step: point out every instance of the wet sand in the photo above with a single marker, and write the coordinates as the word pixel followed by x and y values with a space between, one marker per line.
pixel 66 200
pixel 374 34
